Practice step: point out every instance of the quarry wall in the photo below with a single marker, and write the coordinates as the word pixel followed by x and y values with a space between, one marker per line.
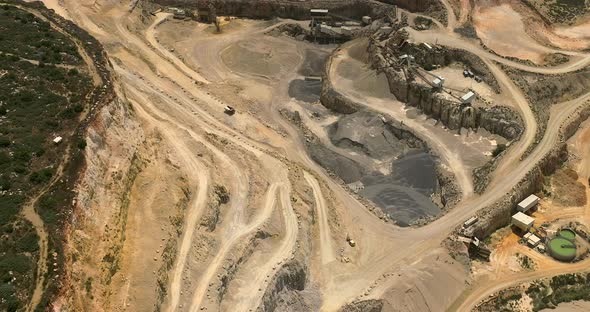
pixel 499 120
pixel 499 214
pixel 267 9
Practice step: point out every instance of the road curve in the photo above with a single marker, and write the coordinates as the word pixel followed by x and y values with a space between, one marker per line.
pixel 326 248
pixel 484 290
pixel 455 41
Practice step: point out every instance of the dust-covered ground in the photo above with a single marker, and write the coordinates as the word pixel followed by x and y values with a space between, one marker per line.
pixel 261 219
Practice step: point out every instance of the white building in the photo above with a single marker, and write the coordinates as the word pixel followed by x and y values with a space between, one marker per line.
pixel 471 221
pixel 57 140
pixel 533 240
pixel 468 97
pixel 318 12
pixel 528 203
pixel 522 221
pixel 438 82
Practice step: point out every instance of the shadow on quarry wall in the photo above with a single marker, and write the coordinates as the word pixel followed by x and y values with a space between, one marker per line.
pixel 284 289
pixel 267 9
pixel 363 306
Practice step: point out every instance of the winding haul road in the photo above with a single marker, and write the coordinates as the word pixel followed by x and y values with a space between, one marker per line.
pixel 161 89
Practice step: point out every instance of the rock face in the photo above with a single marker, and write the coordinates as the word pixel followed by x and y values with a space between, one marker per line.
pixel 414 5
pixel 498 119
pixel 265 9
pixel 364 306
pixel 283 291
pixel 498 214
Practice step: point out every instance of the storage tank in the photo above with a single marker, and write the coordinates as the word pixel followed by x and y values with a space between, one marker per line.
pixel 562 249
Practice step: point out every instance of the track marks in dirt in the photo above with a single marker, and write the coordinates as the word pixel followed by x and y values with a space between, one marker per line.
pixel 326 248
pixel 150 36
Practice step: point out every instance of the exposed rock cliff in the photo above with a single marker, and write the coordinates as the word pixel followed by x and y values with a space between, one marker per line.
pixel 498 119
pixel 265 9
pixel 498 214
pixel 111 165
pixel 364 306
pixel 283 292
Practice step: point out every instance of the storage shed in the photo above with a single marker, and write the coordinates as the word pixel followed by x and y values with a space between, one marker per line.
pixel 533 240
pixel 522 221
pixel 528 203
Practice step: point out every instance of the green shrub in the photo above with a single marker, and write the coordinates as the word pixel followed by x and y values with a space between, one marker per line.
pixel 5 183
pixel 28 243
pixel 4 158
pixel 4 141
pixel 10 207
pixel 42 176
pixel 6 291
pixel 15 262
pixel 81 143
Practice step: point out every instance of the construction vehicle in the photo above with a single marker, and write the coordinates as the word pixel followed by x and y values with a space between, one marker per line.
pixel 411 70
pixel 350 241
pixel 229 110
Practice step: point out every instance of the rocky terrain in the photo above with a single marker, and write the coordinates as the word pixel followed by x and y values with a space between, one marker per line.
pixel 246 166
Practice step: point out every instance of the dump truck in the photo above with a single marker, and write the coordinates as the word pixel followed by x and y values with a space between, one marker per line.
pixel 229 110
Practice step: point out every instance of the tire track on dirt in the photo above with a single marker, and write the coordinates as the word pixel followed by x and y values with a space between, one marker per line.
pixel 326 248
pixel 237 205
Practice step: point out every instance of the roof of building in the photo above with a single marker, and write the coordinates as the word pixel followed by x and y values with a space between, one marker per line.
pixel 324 11
pixel 468 96
pixel 521 217
pixel 529 200
pixel 534 239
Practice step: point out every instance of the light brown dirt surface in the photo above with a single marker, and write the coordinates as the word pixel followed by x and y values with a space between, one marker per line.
pixel 501 29
pixel 556 210
pixel 155 232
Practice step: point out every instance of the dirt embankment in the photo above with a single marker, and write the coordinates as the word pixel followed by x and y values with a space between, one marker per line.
pixel 112 164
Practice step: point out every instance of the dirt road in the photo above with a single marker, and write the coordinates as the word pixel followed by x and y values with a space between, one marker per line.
pixel 161 87
pixel 530 123
pixel 483 290
pixel 578 60
pixel 151 39
pixel 326 249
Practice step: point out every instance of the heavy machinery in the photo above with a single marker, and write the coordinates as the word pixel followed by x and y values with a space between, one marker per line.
pixel 412 70
pixel 229 110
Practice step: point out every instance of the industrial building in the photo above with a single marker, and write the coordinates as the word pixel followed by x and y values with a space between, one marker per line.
pixel 532 239
pixel 471 221
pixel 522 221
pixel 468 97
pixel 528 203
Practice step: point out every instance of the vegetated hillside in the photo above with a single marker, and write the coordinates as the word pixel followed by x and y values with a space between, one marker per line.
pixel 560 11
pixel 541 294
pixel 43 86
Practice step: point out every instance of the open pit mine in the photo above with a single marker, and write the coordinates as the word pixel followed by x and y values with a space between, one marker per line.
pixel 282 155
